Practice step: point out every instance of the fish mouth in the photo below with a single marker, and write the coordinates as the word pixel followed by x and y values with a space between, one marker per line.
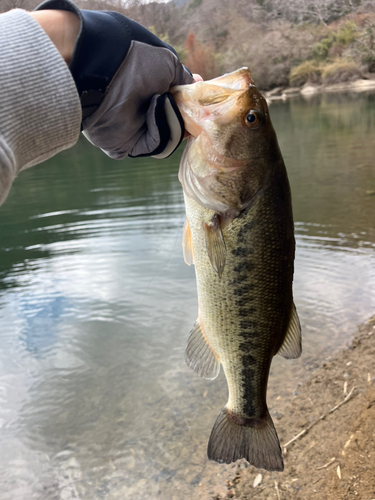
pixel 211 100
pixel 236 80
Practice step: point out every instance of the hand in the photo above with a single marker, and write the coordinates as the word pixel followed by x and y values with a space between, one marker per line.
pixel 123 74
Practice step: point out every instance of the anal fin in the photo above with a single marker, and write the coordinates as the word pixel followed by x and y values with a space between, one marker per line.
pixel 187 244
pixel 215 244
pixel 199 355
pixel 292 345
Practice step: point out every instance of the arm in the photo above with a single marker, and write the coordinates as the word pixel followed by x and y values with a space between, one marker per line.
pixel 123 74
pixel 62 27
pixel 115 88
pixel 38 118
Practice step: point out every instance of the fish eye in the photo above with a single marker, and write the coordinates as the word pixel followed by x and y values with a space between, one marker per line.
pixel 252 119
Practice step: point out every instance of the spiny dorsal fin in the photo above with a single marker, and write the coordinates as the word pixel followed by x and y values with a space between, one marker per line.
pixel 187 244
pixel 199 355
pixel 292 345
pixel 215 244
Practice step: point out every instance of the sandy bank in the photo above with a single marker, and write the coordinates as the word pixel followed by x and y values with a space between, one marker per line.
pixel 333 415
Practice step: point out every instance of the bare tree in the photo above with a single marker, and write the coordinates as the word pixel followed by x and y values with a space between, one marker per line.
pixel 299 11
pixel 6 5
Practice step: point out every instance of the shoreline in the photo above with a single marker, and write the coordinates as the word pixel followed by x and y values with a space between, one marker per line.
pixel 283 93
pixel 327 434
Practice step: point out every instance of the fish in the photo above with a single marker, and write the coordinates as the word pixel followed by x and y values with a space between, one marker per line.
pixel 239 234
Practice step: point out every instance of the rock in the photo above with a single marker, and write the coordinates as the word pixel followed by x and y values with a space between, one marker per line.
pixel 277 91
pixel 309 89
pixel 291 91
pixel 72 463
pixel 130 463
pixel 364 84
pixel 257 480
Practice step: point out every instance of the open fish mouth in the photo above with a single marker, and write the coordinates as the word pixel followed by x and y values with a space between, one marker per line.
pixel 208 100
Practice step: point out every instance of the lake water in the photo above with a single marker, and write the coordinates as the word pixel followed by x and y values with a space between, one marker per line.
pixel 96 304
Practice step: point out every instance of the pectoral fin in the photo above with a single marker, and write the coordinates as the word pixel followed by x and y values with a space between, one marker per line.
pixel 199 355
pixel 292 345
pixel 187 244
pixel 215 244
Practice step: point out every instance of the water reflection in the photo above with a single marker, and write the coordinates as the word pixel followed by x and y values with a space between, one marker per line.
pixel 96 304
pixel 330 160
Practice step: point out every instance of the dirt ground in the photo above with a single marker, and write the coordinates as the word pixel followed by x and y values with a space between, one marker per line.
pixel 334 415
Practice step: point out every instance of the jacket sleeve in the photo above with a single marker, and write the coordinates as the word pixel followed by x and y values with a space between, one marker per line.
pixel 40 111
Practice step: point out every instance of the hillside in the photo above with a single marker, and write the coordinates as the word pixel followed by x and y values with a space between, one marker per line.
pixel 284 42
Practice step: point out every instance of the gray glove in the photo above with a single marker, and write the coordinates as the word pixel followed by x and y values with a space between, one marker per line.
pixel 123 74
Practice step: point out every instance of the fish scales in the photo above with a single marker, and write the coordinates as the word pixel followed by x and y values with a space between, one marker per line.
pixel 243 303
pixel 239 235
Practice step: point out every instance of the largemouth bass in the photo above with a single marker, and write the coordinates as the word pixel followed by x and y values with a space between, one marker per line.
pixel 239 235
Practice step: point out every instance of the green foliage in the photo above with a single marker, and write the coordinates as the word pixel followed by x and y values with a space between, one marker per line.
pixel 180 49
pixel 222 33
pixel 306 72
pixel 344 36
pixel 181 52
pixel 162 36
pixel 341 70
pixel 220 62
pixel 321 49
pixel 194 4
pixel 347 33
pixel 365 48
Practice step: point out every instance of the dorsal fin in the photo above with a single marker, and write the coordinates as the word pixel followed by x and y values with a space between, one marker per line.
pixel 292 345
pixel 199 355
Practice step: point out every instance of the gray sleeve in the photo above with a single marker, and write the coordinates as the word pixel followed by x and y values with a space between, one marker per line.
pixel 40 111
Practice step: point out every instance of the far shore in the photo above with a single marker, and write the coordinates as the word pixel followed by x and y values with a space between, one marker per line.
pixel 283 93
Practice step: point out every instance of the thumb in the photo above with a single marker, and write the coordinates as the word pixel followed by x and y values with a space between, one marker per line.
pixel 164 129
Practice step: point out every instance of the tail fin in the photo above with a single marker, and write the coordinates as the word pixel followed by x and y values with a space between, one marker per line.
pixel 256 440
